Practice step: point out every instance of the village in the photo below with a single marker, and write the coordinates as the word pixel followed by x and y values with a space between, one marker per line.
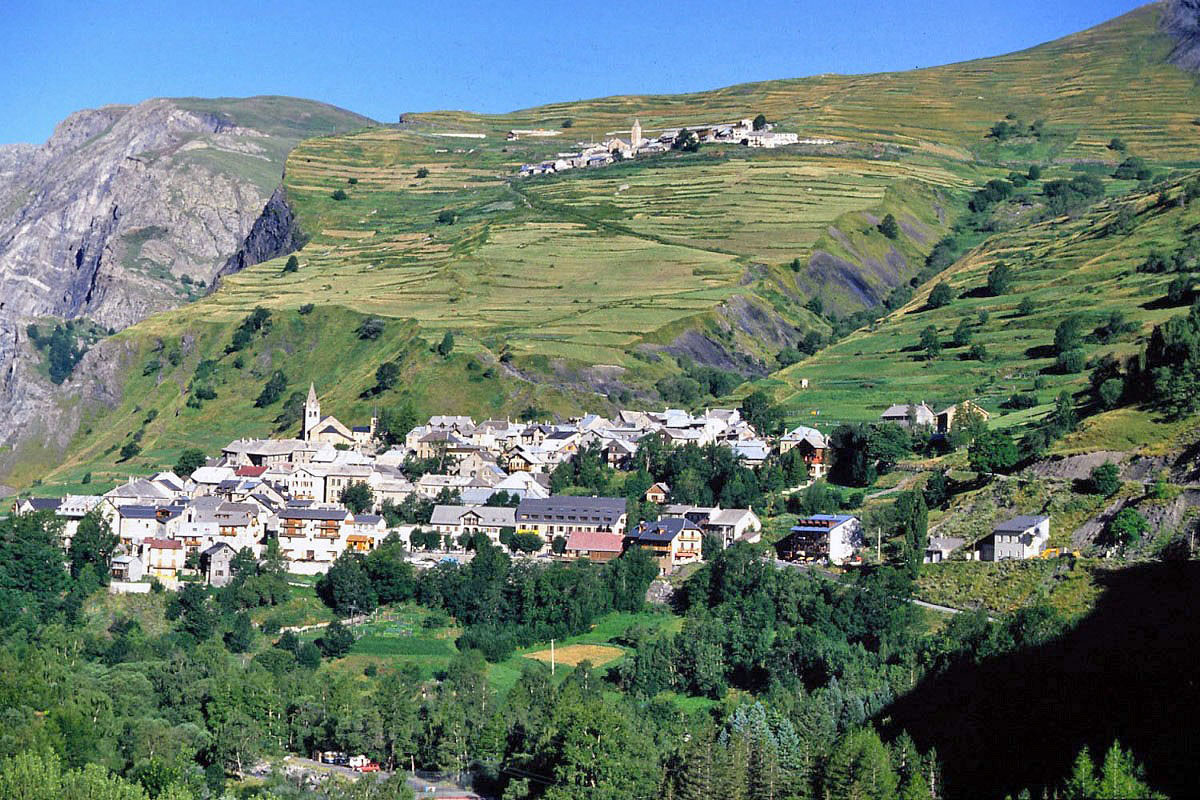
pixel 326 491
pixel 756 133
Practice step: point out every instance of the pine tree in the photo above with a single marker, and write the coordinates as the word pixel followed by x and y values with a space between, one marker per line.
pixel 763 773
pixel 697 778
pixel 1120 776
pixel 795 767
pixel 732 761
pixel 915 788
pixel 860 767
pixel 1082 783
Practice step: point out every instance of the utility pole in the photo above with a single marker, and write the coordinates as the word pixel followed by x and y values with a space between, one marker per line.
pixel 551 656
pixel 879 544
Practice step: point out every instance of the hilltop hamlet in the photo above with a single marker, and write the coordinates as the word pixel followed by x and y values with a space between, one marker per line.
pixel 745 132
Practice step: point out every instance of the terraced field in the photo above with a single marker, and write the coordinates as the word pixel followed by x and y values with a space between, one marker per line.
pixel 771 209
pixel 540 283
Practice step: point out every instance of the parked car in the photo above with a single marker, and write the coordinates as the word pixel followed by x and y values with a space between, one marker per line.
pixel 370 766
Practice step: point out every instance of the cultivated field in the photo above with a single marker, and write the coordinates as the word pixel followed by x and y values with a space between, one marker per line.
pixel 573 655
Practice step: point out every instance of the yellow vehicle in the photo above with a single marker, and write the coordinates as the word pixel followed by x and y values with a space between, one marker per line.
pixel 1058 552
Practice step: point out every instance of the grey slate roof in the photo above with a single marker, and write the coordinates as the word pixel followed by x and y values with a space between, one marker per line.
pixel 663 531
pixel 313 513
pixel 489 516
pixel 138 512
pixel 1020 523
pixel 565 509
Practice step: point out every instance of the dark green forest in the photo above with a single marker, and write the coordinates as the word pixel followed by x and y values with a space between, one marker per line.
pixel 819 687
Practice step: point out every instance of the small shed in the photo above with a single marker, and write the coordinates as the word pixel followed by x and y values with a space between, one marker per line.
pixel 217 564
pixel 940 548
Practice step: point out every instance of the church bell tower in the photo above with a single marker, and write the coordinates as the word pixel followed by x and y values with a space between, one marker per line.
pixel 312 412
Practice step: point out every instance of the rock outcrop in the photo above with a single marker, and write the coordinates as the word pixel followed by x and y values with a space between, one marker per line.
pixel 275 233
pixel 1181 19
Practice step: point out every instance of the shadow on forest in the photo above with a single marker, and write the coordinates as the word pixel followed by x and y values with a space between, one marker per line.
pixel 1127 671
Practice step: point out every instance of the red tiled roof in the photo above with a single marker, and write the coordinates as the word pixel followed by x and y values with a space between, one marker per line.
pixel 595 541
pixel 164 544
pixel 250 472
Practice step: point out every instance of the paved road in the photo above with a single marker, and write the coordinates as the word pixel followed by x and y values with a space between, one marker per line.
pixel 943 609
pixel 422 787
pixel 913 600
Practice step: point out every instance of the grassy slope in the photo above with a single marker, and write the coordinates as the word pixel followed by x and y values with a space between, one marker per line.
pixel 287 121
pixel 1067 266
pixel 321 347
pixel 572 272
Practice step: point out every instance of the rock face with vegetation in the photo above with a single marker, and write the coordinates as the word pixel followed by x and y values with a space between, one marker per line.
pixel 130 210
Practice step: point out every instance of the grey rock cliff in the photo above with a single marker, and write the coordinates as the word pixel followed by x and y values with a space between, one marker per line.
pixel 275 233
pixel 124 210
pixel 1181 19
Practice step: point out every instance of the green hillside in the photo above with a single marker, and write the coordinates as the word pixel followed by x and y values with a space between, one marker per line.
pixel 1077 266
pixel 581 290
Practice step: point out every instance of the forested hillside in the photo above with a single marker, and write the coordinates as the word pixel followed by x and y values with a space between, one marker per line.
pixel 766 689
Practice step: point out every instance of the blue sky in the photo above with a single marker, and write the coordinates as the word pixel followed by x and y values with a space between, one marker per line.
pixel 384 58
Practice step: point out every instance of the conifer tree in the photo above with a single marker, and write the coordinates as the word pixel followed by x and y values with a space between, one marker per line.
pixel 697 778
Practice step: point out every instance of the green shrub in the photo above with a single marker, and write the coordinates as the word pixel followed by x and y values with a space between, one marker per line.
pixel 1071 362
pixel 1105 479
pixel 888 227
pixel 941 295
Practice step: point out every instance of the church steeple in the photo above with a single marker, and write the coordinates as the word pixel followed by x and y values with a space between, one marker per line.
pixel 635 136
pixel 312 412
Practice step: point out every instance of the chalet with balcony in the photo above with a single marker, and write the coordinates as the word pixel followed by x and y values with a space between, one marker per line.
pixel 673 542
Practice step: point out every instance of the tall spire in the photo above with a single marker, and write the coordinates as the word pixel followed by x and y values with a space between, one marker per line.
pixel 312 412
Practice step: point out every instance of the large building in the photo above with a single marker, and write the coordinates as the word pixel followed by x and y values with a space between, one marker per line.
pixel 454 521
pixel 312 538
pixel 1018 538
pixel 561 516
